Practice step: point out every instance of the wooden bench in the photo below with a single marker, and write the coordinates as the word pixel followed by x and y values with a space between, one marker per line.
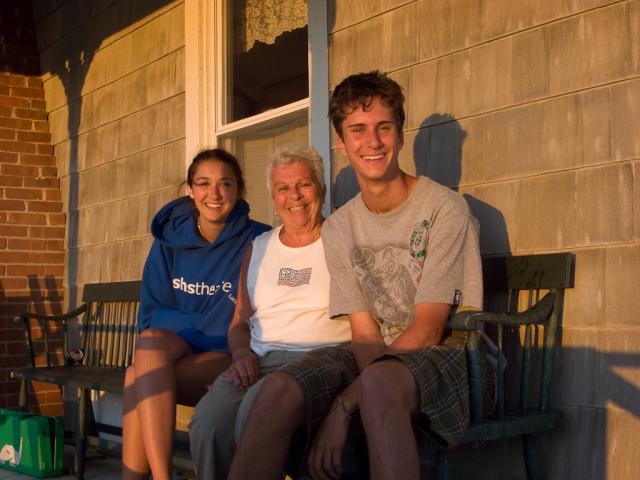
pixel 108 328
pixel 526 340
pixel 108 335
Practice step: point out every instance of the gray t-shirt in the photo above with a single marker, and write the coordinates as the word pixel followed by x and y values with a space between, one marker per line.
pixel 425 250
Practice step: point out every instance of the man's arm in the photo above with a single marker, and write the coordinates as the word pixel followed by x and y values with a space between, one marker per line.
pixel 426 329
pixel 325 456
pixel 366 340
pixel 367 345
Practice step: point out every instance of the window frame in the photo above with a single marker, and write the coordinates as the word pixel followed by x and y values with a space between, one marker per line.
pixel 205 61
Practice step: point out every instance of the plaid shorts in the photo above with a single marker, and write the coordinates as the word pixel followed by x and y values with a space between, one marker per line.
pixel 440 373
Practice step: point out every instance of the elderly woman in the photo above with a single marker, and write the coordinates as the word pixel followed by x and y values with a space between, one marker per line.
pixel 281 311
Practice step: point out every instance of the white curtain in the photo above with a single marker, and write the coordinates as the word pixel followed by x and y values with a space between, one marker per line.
pixel 265 20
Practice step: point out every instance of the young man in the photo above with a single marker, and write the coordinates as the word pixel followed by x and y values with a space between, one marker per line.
pixel 402 255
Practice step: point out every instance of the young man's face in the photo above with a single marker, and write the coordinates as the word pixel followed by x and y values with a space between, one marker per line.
pixel 371 141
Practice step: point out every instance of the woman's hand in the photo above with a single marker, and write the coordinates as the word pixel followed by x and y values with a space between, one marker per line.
pixel 244 371
pixel 325 457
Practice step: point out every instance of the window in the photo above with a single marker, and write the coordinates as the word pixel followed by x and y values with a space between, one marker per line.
pixel 262 81
pixel 266 56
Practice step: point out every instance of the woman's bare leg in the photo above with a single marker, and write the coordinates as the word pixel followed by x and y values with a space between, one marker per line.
pixel 163 364
pixel 196 373
pixel 155 392
pixel 134 460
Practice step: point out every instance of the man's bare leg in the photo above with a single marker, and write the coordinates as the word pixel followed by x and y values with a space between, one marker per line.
pixel 277 412
pixel 388 396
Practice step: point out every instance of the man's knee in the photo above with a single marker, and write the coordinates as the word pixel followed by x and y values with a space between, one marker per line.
pixel 280 396
pixel 385 386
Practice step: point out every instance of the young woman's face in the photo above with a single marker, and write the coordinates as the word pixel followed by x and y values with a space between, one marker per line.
pixel 214 191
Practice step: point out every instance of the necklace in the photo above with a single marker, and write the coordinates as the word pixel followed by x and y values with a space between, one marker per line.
pixel 203 236
pixel 199 229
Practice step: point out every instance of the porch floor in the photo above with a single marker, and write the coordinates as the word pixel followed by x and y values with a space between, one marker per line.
pixel 96 469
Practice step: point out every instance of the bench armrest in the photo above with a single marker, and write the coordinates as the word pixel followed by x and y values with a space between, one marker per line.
pixel 535 315
pixel 64 316
pixel 24 319
pixel 472 322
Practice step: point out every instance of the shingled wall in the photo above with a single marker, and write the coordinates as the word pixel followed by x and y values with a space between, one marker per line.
pixel 531 109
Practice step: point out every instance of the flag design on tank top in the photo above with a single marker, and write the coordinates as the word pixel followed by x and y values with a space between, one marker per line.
pixel 290 277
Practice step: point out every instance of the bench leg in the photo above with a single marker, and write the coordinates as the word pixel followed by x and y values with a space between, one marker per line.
pixel 531 463
pixel 442 465
pixel 81 434
pixel 22 399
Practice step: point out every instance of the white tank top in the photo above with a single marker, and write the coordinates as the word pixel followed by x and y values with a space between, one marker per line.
pixel 289 292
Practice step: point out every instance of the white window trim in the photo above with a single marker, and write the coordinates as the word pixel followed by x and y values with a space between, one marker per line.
pixel 263 117
pixel 203 85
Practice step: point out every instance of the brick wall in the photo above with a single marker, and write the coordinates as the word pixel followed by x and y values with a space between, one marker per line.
pixel 31 218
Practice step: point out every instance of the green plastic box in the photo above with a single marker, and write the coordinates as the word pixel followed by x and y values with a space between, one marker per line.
pixel 31 444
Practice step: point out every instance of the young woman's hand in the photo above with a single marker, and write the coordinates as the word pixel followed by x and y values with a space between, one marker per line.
pixel 243 372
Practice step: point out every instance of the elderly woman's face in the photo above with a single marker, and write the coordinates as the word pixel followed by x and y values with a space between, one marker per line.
pixel 297 198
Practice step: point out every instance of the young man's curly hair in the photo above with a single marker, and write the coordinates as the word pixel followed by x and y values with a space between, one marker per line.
pixel 359 90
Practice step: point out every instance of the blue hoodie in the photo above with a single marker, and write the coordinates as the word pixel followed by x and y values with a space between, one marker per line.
pixel 189 285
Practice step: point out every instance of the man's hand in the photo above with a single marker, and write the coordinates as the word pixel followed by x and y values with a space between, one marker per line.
pixel 426 329
pixel 243 371
pixel 325 457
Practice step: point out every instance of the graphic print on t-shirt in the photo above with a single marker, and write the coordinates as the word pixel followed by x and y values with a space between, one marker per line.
pixel 290 277
pixel 418 241
pixel 389 280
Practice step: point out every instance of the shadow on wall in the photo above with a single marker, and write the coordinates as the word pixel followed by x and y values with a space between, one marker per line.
pixel 72 72
pixel 583 377
pixel 43 297
pixel 593 440
pixel 437 153
pixel 585 380
pixel 42 291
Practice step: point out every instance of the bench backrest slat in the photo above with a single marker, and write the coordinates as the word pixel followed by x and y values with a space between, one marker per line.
pixel 131 335
pixel 529 272
pixel 114 291
pixel 109 325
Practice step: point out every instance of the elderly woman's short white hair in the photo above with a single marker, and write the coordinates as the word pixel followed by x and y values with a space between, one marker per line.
pixel 294 153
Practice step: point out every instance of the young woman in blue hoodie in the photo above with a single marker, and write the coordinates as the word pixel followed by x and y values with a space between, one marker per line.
pixel 188 296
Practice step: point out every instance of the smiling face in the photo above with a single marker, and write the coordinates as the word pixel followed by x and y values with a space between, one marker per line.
pixel 371 140
pixel 214 192
pixel 297 197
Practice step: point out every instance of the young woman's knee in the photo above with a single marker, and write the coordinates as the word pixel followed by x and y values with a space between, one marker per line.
pixel 157 341
pixel 129 375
